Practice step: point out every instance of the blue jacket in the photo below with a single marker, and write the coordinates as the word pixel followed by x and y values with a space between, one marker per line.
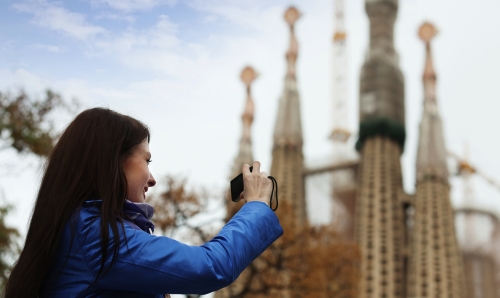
pixel 149 266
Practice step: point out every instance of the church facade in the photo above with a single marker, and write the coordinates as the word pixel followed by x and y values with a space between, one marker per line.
pixel 403 254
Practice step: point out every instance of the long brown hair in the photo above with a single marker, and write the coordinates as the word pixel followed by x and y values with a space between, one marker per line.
pixel 85 164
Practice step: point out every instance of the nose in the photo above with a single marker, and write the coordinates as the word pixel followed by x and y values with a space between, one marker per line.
pixel 151 181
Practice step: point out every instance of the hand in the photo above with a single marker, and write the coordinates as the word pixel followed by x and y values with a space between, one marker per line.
pixel 257 187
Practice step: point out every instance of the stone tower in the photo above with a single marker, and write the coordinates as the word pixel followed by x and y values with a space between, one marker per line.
pixel 436 266
pixel 380 226
pixel 287 158
pixel 244 156
pixel 478 233
pixel 480 273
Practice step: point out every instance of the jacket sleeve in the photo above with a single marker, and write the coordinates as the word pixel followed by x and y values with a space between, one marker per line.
pixel 151 264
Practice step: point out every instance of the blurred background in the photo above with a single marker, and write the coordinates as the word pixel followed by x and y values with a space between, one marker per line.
pixel 175 65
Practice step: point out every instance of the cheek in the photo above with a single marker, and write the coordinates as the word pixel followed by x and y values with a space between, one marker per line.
pixel 141 176
pixel 136 174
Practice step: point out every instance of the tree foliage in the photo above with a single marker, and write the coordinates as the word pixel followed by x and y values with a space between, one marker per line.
pixel 25 124
pixel 185 213
pixel 306 262
pixel 9 249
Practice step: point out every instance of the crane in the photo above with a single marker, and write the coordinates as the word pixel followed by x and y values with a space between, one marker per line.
pixel 342 179
pixel 470 212
pixel 340 132
pixel 464 167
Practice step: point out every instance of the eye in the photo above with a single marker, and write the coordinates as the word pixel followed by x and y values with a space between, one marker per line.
pixel 149 160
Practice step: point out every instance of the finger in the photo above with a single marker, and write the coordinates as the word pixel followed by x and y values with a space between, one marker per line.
pixel 245 169
pixel 242 197
pixel 264 174
pixel 256 167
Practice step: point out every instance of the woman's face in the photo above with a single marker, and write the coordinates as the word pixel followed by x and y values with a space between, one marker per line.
pixel 136 169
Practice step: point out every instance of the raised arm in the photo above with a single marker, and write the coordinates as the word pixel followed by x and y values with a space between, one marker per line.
pixel 155 265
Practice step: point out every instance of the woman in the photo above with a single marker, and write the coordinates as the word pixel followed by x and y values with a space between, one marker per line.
pixel 85 238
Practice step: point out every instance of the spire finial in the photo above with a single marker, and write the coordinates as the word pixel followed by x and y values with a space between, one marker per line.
pixel 291 16
pixel 248 75
pixel 427 32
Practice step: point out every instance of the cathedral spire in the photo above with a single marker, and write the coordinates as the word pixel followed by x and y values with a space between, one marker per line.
pixel 288 129
pixel 379 214
pixel 288 160
pixel 381 102
pixel 435 267
pixel 245 156
pixel 431 156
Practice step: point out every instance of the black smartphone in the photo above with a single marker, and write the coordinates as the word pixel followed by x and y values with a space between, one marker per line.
pixel 237 187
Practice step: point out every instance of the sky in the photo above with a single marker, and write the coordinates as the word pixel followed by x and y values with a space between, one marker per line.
pixel 175 65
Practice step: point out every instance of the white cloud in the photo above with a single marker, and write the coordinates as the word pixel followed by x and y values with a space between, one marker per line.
pixel 55 17
pixel 113 94
pixel 115 17
pixel 257 14
pixel 248 14
pixel 36 85
pixel 157 48
pixel 162 36
pixel 210 18
pixel 22 78
pixel 133 5
pixel 50 48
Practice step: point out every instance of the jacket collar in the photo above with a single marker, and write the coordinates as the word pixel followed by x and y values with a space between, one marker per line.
pixel 139 214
